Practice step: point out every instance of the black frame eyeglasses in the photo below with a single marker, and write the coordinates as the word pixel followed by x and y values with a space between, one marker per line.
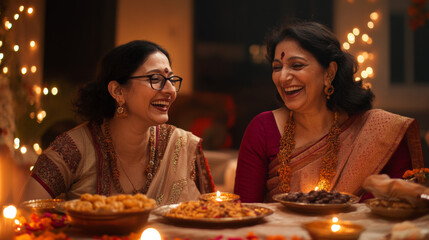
pixel 157 81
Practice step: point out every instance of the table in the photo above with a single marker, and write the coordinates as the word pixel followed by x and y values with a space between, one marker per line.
pixel 282 222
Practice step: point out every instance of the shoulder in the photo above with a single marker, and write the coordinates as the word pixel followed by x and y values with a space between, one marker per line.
pixel 171 132
pixel 263 118
pixel 380 116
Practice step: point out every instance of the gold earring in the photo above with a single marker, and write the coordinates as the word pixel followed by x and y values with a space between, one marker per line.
pixel 121 112
pixel 329 90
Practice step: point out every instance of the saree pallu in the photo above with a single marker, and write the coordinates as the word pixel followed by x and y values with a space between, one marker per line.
pixel 367 143
pixel 79 162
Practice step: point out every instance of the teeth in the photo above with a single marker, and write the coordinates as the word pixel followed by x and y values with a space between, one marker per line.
pixel 294 88
pixel 163 103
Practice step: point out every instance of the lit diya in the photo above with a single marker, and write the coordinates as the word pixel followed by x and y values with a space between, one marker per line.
pixel 321 230
pixel 219 196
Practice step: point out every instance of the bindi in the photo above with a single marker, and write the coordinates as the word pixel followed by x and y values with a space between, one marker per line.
pixel 166 70
pixel 282 55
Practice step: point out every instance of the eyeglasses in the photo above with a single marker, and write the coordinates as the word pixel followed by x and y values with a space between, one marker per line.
pixel 157 81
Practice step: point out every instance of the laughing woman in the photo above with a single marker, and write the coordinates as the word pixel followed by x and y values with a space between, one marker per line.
pixel 326 133
pixel 125 145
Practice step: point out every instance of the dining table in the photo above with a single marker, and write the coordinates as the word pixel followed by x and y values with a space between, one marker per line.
pixel 283 222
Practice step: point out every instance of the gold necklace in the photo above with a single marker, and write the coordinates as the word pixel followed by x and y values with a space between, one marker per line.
pixel 150 170
pixel 329 160
pixel 123 169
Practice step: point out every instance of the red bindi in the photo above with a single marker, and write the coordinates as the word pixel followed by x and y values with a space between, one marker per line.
pixel 166 70
pixel 282 55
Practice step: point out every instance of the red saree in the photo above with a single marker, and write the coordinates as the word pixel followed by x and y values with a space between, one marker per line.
pixel 370 143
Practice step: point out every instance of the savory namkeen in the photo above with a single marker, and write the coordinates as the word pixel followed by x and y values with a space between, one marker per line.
pixel 210 209
pixel 118 203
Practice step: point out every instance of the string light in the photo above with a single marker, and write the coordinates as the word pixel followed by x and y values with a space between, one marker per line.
pixel 33 69
pixel 24 70
pixel 346 45
pixel 16 16
pixel 16 143
pixel 23 150
pixel 54 91
pixel 21 8
pixel 1 43
pixel 45 91
pixel 32 44
pixel 5 70
pixel 370 25
pixel 351 38
pixel 8 25
pixel 16 48
pixel 1 56
pixel 374 16
pixel 30 10
pixel 356 31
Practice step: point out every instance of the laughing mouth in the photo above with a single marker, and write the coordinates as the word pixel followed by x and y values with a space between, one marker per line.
pixel 292 90
pixel 162 104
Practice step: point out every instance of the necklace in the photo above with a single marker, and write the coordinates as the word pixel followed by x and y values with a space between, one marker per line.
pixel 114 158
pixel 329 160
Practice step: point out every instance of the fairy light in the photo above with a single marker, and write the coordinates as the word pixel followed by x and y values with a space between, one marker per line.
pixel 54 91
pixel 5 70
pixel 24 70
pixel 33 69
pixel 32 44
pixel 40 116
pixel 364 74
pixel 10 212
pixel 21 8
pixel 37 89
pixel 16 143
pixel 360 58
pixel 1 56
pixel 32 115
pixel 374 16
pixel 30 10
pixel 1 43
pixel 346 45
pixel 370 24
pixel 37 148
pixel 351 38
pixel 365 37
pixel 23 150
pixel 16 48
pixel 357 79
pixel 8 25
pixel 356 31
pixel 369 70
pixel 45 91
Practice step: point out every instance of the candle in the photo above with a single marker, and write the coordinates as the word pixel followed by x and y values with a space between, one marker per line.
pixel 333 229
pixel 6 223
pixel 219 196
pixel 150 234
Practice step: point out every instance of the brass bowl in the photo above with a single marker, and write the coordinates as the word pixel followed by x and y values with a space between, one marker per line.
pixel 41 206
pixel 118 223
pixel 224 196
pixel 321 230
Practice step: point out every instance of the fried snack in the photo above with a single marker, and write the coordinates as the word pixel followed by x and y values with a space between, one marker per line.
pixel 119 203
pixel 390 204
pixel 211 209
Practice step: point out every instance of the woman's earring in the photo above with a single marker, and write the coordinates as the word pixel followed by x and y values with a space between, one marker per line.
pixel 121 112
pixel 329 90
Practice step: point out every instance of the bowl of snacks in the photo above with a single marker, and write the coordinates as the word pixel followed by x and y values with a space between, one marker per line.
pixel 119 214
pixel 316 202
pixel 394 209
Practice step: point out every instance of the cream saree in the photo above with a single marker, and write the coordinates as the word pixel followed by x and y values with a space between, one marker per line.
pixel 78 162
pixel 367 143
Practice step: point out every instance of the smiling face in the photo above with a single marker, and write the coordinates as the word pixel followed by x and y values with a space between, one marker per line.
pixel 145 103
pixel 299 78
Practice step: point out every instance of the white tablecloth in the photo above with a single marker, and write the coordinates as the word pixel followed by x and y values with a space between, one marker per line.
pixel 282 222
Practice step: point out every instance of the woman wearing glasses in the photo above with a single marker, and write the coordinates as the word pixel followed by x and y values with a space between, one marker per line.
pixel 125 145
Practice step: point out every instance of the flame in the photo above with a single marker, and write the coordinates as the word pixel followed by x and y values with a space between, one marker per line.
pixel 218 196
pixel 150 234
pixel 9 212
pixel 316 188
pixel 335 227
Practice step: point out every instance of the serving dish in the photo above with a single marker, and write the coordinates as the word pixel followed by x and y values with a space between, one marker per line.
pixel 42 205
pixel 393 209
pixel 316 208
pixel 262 212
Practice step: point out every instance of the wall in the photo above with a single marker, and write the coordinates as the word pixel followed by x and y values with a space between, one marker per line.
pixel 166 22
pixel 408 98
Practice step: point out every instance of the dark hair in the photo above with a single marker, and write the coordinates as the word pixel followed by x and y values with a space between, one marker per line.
pixel 349 95
pixel 94 102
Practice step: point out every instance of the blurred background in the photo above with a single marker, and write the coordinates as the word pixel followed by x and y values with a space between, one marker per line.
pixel 49 48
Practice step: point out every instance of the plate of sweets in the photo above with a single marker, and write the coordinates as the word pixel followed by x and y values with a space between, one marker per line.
pixel 118 214
pixel 213 213
pixel 317 201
